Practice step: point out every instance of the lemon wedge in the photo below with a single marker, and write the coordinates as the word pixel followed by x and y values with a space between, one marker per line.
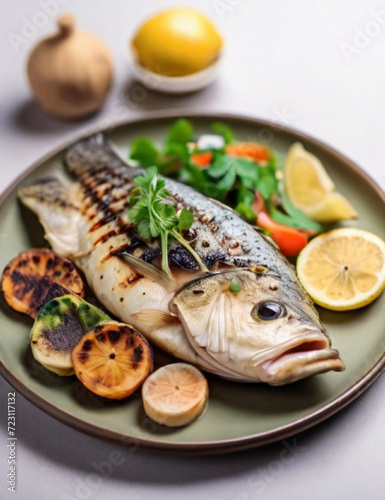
pixel 310 188
pixel 177 42
pixel 343 269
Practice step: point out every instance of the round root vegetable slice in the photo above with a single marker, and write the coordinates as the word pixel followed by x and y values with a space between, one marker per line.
pixel 35 277
pixel 112 360
pixel 175 394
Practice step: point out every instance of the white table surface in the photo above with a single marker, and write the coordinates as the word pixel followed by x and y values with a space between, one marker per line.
pixel 304 64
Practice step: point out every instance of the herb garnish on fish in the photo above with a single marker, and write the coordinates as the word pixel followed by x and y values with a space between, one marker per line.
pixel 155 217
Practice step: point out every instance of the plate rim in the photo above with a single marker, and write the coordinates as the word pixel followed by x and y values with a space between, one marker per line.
pixel 224 445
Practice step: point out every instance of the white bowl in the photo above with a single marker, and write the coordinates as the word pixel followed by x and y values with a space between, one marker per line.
pixel 173 84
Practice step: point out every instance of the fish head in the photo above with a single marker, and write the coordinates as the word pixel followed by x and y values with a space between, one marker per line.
pixel 256 325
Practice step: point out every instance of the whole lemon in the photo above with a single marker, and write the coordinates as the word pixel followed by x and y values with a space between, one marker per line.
pixel 177 42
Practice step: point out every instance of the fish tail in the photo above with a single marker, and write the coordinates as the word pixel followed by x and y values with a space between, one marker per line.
pixel 49 192
pixel 50 198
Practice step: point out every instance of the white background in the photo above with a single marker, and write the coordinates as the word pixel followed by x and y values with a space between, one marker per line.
pixel 304 64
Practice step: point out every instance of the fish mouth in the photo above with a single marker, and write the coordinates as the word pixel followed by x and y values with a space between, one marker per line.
pixel 301 359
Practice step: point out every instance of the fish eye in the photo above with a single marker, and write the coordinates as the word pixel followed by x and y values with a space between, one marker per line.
pixel 268 311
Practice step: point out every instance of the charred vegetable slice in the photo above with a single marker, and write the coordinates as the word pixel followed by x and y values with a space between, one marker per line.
pixel 112 360
pixel 175 394
pixel 35 277
pixel 58 327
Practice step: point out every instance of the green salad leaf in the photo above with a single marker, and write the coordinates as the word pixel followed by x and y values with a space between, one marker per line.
pixel 244 203
pixel 228 169
pixel 145 152
pixel 267 182
pixel 296 217
pixel 180 132
pixel 225 131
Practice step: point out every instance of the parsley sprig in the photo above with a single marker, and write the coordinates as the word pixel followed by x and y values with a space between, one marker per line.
pixel 155 217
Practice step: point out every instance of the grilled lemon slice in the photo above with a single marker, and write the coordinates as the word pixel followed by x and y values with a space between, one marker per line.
pixel 175 394
pixel 36 276
pixel 343 269
pixel 112 360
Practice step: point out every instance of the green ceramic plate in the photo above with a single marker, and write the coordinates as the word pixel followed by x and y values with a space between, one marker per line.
pixel 238 416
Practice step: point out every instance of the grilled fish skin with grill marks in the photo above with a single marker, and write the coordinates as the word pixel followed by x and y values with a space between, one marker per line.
pixel 269 331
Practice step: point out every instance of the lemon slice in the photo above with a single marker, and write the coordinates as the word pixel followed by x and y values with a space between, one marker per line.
pixel 310 188
pixel 175 394
pixel 343 269
pixel 177 42
pixel 112 360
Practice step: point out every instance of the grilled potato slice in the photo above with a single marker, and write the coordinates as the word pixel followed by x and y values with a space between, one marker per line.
pixel 112 360
pixel 35 277
pixel 175 394
pixel 58 327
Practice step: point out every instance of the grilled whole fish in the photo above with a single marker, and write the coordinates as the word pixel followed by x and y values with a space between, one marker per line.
pixel 269 331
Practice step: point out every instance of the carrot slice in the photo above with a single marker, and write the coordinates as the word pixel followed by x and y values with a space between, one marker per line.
pixel 250 150
pixel 202 159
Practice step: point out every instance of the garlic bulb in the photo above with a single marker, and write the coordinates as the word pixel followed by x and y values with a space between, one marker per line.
pixel 71 72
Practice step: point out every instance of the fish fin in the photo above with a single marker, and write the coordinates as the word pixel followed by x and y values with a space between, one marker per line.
pixel 148 270
pixel 50 199
pixel 96 151
pixel 157 318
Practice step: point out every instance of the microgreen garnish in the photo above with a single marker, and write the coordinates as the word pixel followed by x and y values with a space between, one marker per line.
pixel 155 217
pixel 235 286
